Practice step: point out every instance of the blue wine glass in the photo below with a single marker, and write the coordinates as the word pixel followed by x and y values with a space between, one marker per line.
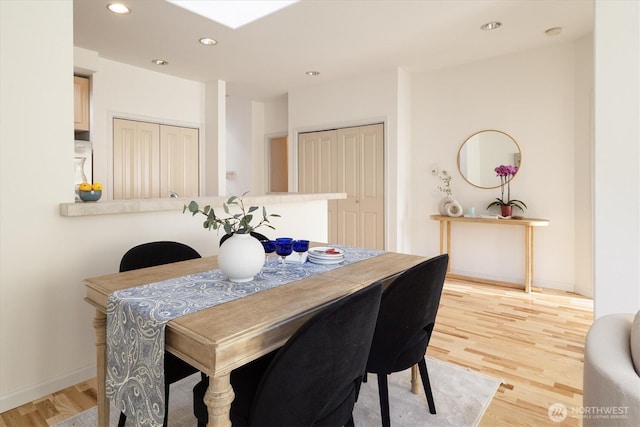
pixel 300 246
pixel 284 247
pixel 269 248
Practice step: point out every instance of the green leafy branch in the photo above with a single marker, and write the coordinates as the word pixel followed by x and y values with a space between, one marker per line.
pixel 239 222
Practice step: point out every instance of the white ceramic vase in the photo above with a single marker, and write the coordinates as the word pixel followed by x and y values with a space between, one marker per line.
pixel 449 206
pixel 443 202
pixel 241 257
pixel 453 208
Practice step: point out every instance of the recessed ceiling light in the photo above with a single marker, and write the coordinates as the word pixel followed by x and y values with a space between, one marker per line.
pixel 312 73
pixel 207 41
pixel 554 31
pixel 493 25
pixel 159 62
pixel 118 8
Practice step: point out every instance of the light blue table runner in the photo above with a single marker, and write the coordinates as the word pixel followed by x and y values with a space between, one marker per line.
pixel 136 319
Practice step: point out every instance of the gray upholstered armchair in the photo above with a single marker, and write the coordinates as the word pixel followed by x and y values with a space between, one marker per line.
pixel 612 372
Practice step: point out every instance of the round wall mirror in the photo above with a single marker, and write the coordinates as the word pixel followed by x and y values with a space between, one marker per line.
pixel 482 152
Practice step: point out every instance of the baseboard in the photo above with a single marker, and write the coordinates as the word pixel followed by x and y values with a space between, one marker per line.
pixel 29 394
pixel 487 279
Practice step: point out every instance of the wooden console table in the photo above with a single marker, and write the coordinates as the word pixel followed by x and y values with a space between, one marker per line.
pixel 527 223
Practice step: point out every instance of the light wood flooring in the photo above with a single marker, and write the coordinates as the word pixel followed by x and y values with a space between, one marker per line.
pixel 533 342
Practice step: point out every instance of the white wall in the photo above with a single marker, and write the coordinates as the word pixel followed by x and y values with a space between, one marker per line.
pixel 276 116
pixel 215 158
pixel 530 96
pixel 239 145
pixel 617 157
pixel 583 167
pixel 401 182
pixel 36 277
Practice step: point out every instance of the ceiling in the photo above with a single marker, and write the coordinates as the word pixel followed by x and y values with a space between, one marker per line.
pixel 339 38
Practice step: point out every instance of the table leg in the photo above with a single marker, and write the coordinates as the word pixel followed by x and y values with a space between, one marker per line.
pixel 218 399
pixel 100 326
pixel 415 383
pixel 449 245
pixel 445 225
pixel 528 258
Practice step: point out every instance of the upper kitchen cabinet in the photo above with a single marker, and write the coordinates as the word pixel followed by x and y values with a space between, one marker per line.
pixel 81 103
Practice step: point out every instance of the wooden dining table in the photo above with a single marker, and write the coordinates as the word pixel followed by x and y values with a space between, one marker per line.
pixel 218 339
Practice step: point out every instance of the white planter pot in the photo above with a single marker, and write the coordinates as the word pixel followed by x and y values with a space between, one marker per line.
pixel 241 257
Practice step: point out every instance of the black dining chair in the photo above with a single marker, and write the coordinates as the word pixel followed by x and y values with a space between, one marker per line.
pixel 313 380
pixel 149 255
pixel 405 322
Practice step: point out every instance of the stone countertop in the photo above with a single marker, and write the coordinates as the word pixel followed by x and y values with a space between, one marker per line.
pixel 171 204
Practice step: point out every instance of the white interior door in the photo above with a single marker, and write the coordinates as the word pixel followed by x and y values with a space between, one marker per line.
pixel 351 161
pixel 152 160
pixel 317 170
pixel 178 161
pixel 279 165
pixel 136 160
pixel 361 175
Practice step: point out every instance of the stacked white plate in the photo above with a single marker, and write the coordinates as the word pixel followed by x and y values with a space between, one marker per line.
pixel 325 255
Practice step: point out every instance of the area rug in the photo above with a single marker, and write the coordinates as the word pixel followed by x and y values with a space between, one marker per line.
pixel 461 397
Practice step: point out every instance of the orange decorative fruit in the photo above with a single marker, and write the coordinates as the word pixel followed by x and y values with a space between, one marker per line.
pixel 85 186
pixel 96 186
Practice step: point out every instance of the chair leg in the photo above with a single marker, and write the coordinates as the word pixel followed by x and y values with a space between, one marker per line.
pixel 383 391
pixel 122 420
pixel 427 385
pixel 350 422
pixel 166 404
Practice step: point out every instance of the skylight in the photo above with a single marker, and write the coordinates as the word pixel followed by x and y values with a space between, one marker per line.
pixel 232 13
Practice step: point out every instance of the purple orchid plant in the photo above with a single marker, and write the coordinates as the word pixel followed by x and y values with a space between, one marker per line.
pixel 506 173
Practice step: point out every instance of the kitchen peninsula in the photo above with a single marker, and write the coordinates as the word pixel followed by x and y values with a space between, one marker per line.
pixel 109 228
pixel 173 204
